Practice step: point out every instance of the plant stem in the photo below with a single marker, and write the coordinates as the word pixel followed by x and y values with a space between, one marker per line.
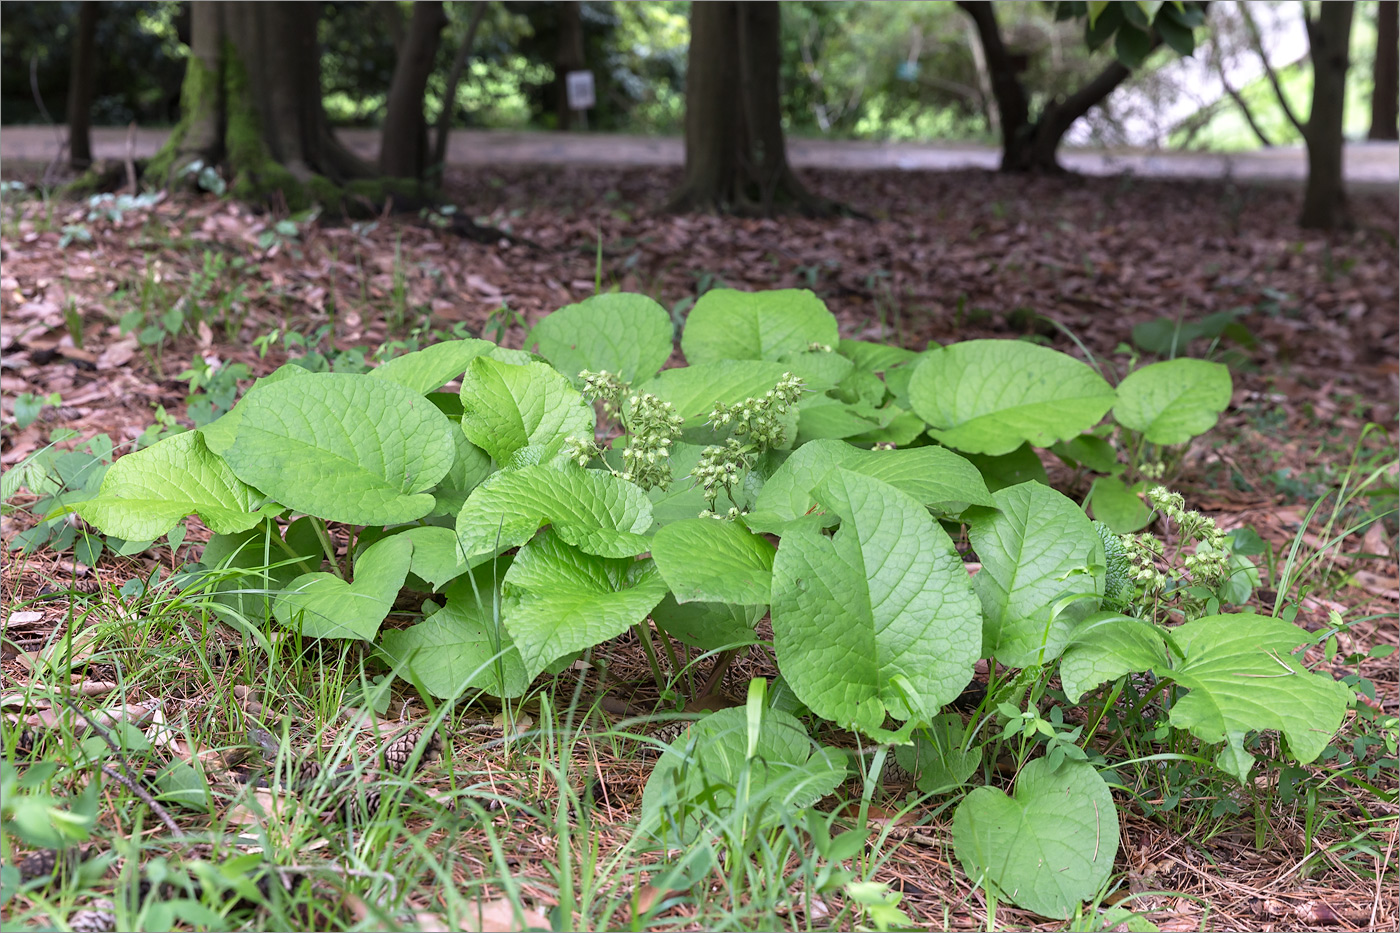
pixel 644 636
pixel 324 537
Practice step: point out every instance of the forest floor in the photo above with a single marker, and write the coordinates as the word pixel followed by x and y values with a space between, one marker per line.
pixel 944 256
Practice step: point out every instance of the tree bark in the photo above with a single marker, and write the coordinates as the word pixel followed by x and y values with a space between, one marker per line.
pixel 1385 96
pixel 403 152
pixel 251 104
pixel 454 77
pixel 80 83
pixel 735 152
pixel 568 57
pixel 1032 146
pixel 1329 36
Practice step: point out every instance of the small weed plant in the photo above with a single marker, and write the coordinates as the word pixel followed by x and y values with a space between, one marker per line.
pixel 556 499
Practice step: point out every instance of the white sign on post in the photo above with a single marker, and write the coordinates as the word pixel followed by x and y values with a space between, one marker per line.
pixel 579 87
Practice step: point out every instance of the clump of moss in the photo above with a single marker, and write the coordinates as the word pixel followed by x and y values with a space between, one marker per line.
pixel 1119 587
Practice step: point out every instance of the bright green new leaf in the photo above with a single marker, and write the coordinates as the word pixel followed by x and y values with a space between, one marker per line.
pixel 1118 506
pixel 1173 401
pixel 592 510
pixel 505 408
pixel 707 560
pixel 321 605
pixel 461 646
pixel 990 396
pixel 626 334
pixel 343 447
pixel 556 599
pixel 1049 847
pixel 1243 677
pixel 145 493
pixel 731 325
pixel 818 369
pixel 934 476
pixel 699 776
pixel 886 596
pixel 431 368
pixel 220 433
pixel 1036 551
pixel 1104 647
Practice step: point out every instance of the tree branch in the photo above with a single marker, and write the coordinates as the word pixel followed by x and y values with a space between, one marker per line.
pixel 1243 106
pixel 449 98
pixel 1257 42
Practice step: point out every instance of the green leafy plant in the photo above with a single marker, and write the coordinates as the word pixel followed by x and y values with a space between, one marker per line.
pixel 537 529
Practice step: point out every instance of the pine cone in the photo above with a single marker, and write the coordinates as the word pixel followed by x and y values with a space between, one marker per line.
pixel 398 752
pixel 101 918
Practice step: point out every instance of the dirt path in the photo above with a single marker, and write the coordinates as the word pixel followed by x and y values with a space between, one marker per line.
pixel 1369 164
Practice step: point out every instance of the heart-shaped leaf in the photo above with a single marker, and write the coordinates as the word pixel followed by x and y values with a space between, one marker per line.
pixel 506 408
pixel 1173 401
pixel 990 396
pixel 731 325
pixel 625 334
pixel 556 599
pixel 145 493
pixel 344 447
pixel 322 605
pixel 1243 677
pixel 706 560
pixel 592 510
pixel 461 646
pixel 1049 847
pixel 1037 549
pixel 887 595
pixel 1104 647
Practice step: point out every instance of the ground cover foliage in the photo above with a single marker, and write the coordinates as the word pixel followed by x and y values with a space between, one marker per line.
pixel 554 810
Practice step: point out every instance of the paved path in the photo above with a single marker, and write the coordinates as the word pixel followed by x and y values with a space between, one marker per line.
pixel 1371 164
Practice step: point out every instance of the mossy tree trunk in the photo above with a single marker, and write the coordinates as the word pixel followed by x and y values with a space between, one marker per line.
pixel 735 153
pixel 251 104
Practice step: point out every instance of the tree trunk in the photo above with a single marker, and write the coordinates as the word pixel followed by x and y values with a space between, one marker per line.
pixel 1032 146
pixel 403 151
pixel 1329 35
pixel 251 104
pixel 1385 97
pixel 80 82
pixel 454 77
pixel 568 57
pixel 735 153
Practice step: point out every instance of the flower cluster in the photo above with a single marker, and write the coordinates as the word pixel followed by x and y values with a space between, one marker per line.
pixel 652 426
pixel 1209 565
pixel 581 451
pixel 758 418
pixel 722 468
pixel 605 387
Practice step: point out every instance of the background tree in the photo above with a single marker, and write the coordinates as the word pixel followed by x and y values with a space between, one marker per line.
pixel 1385 94
pixel 1031 143
pixel 80 85
pixel 735 153
pixel 403 148
pixel 567 58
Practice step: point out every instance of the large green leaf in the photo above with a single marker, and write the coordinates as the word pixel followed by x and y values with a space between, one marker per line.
pixel 709 626
pixel 1104 647
pixel 431 368
pixel 881 609
pixel 436 557
pixel 694 389
pixel 707 560
pixel 934 476
pixel 1049 847
pixel 556 599
pixel 1243 677
pixel 1173 401
pixel 592 510
pixel 248 568
pixel 626 334
pixel 1036 550
pixel 145 493
pixel 700 774
pixel 470 467
pixel 990 396
pixel 461 646
pixel 321 605
pixel 220 433
pixel 731 325
pixel 343 447
pixel 940 758
pixel 506 408
pixel 1119 506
